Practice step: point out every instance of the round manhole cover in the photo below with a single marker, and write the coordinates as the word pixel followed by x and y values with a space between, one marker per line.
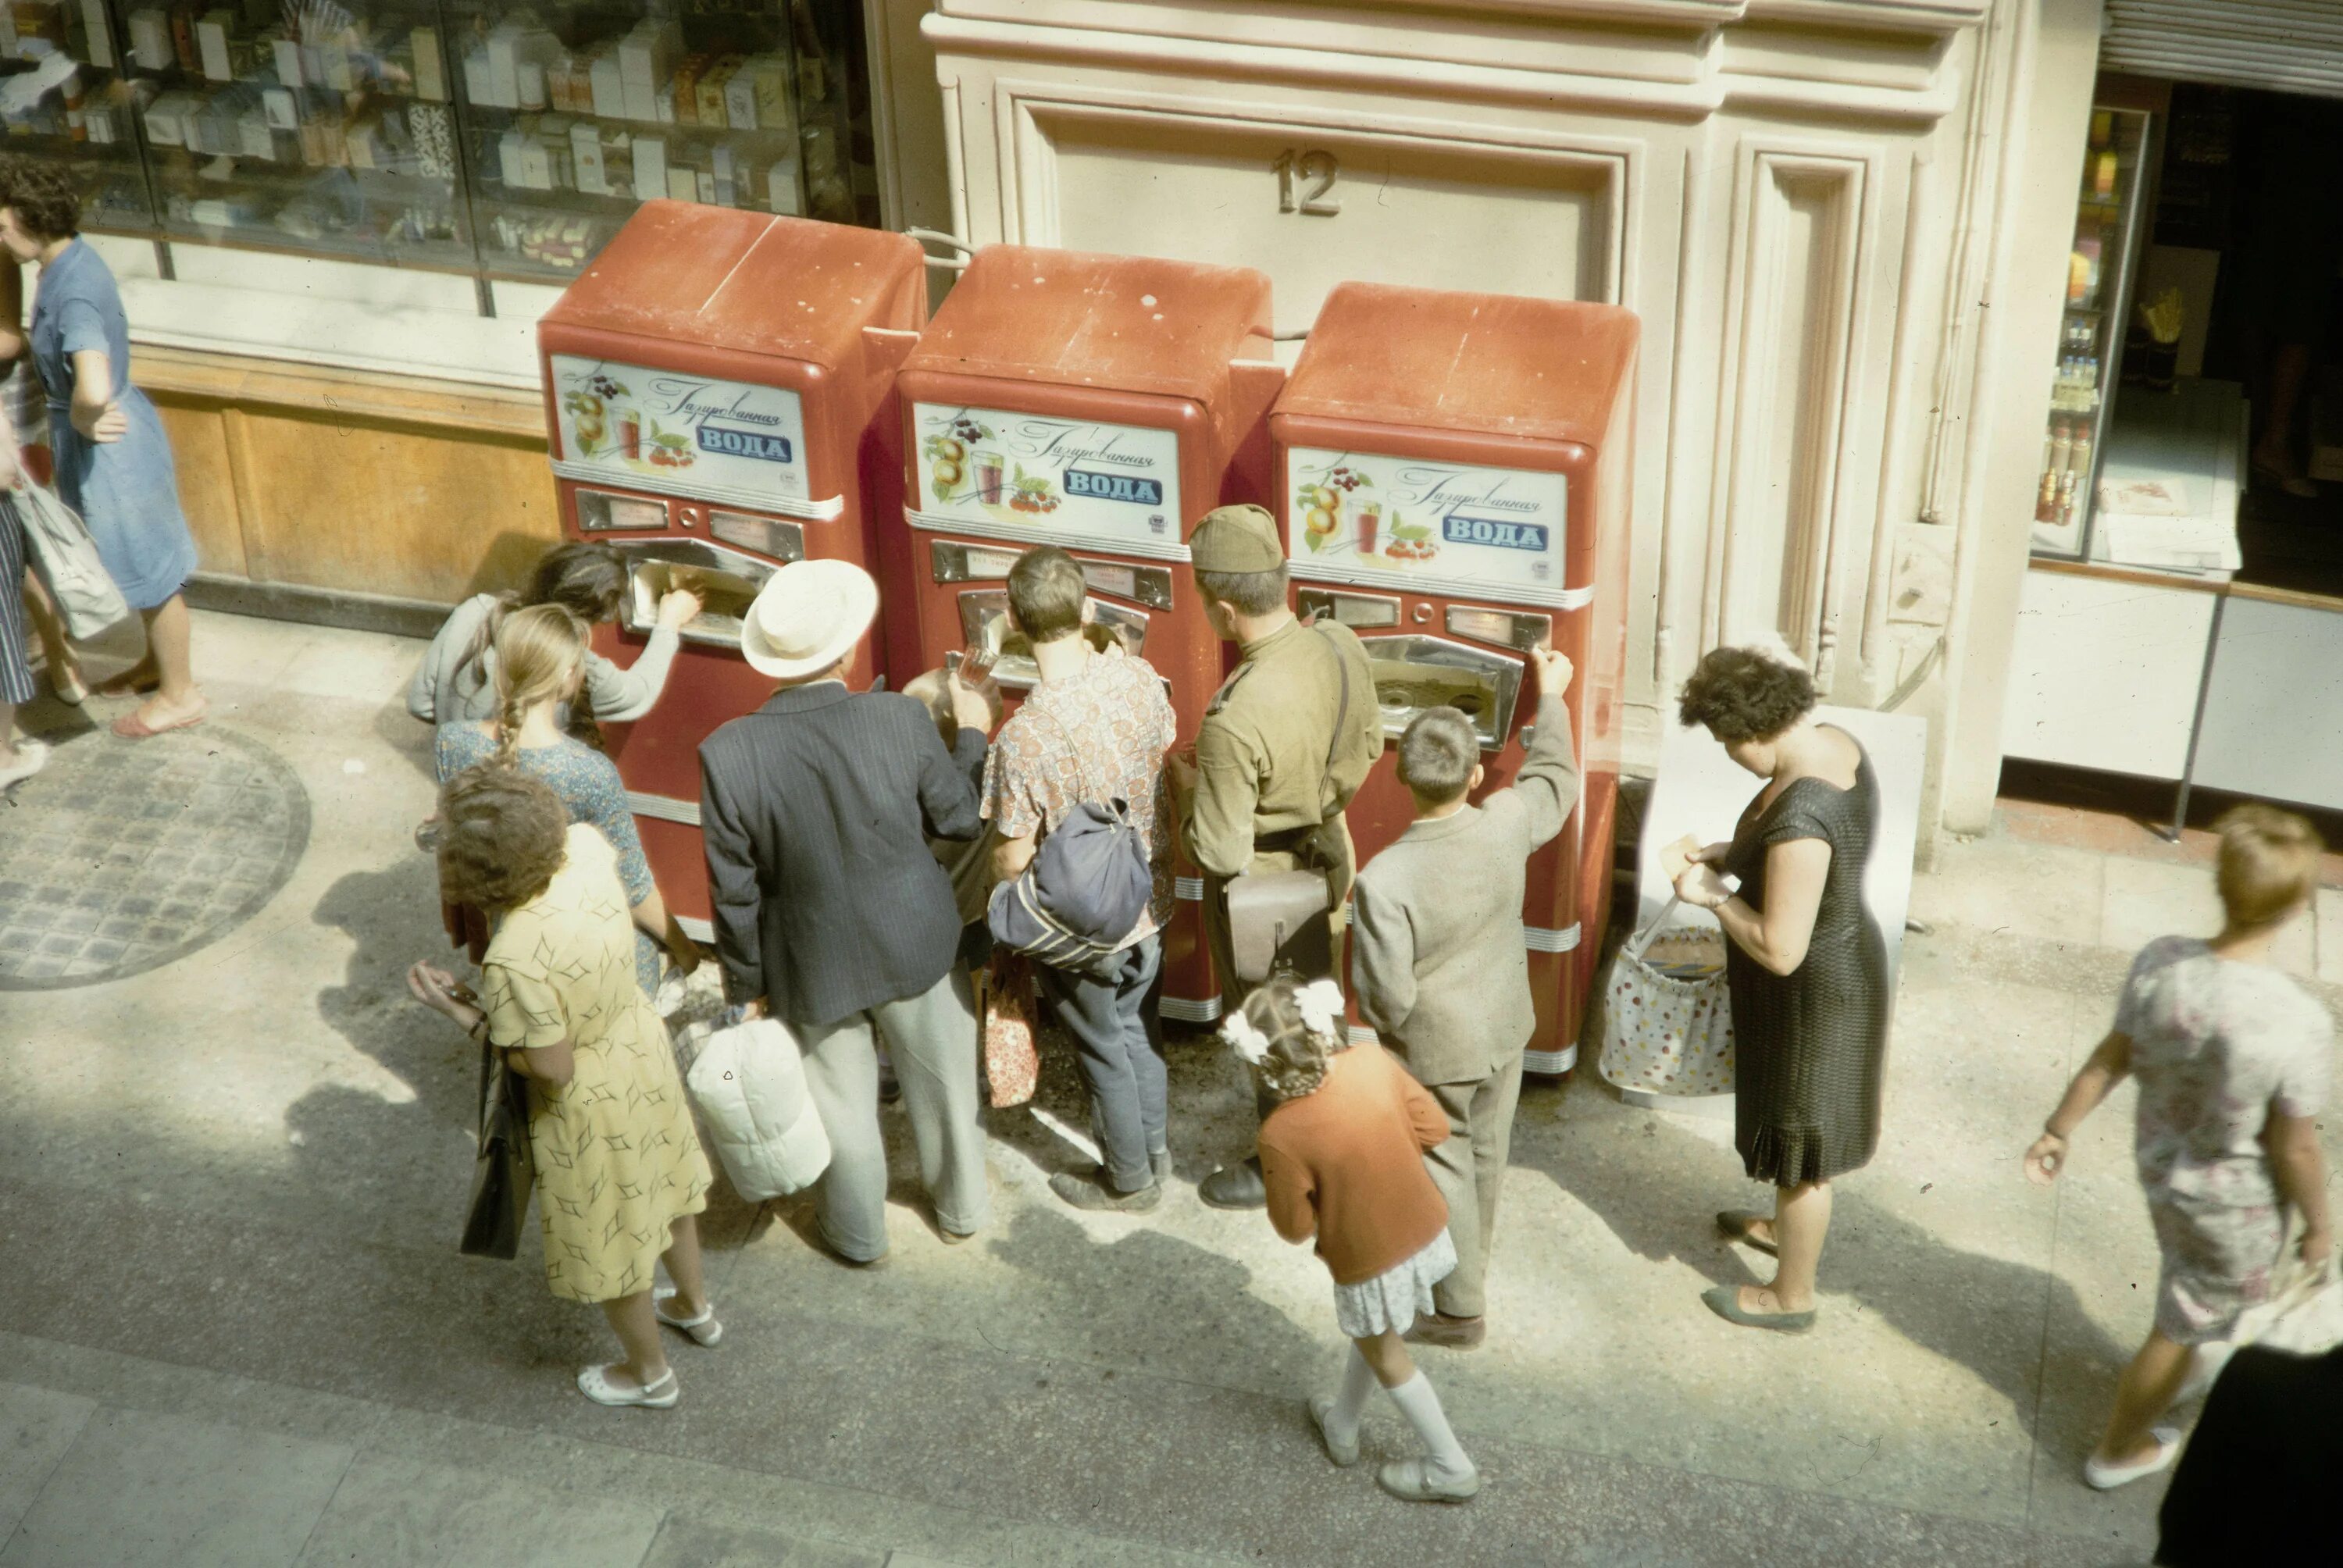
pixel 116 858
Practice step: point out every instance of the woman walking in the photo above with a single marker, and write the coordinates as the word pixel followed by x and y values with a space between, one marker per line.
pixel 113 459
pixel 1805 968
pixel 2232 1058
pixel 1341 1154
pixel 620 1169
pixel 540 669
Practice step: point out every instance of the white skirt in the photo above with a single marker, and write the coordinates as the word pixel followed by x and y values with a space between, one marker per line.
pixel 1391 1302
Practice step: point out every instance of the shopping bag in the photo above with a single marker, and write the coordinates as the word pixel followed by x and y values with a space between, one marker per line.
pixel 503 1173
pixel 2303 1317
pixel 1012 1054
pixel 1667 1023
pixel 749 1082
pixel 66 559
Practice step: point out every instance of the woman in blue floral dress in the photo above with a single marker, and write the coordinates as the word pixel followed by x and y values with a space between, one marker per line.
pixel 113 459
pixel 540 666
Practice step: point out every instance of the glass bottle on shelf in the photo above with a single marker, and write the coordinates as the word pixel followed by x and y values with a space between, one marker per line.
pixel 315 126
pixel 63 96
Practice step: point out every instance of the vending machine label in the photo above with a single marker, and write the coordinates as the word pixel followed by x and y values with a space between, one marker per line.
pixel 1065 479
pixel 1362 516
pixel 730 440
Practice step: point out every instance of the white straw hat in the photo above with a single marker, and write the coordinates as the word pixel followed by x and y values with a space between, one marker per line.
pixel 808 616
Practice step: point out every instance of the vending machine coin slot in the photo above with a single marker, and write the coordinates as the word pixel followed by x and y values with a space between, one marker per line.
pixel 1351 610
pixel 783 541
pixel 1505 627
pixel 599 510
pixel 725 581
pixel 1414 673
pixel 984 623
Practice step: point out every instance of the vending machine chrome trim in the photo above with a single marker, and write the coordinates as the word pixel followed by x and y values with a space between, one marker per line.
pixel 1502 673
pixel 639 613
pixel 935 523
pixel 608 502
pixel 1524 629
pixel 984 623
pixel 823 511
pixel 953 562
pixel 783 541
pixel 1371 610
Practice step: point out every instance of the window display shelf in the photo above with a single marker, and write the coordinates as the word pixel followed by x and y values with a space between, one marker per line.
pixel 505 139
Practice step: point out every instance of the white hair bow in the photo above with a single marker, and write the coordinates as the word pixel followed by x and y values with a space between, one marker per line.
pixel 1320 1005
pixel 1250 1044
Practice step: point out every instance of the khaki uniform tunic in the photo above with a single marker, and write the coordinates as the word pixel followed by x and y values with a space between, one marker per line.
pixel 1264 800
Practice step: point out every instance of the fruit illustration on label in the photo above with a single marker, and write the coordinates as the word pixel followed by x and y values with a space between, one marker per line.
pixel 1320 502
pixel 949 462
pixel 589 408
pixel 1028 492
pixel 668 449
pixel 1411 541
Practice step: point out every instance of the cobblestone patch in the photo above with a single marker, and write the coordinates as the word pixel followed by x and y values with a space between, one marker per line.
pixel 118 858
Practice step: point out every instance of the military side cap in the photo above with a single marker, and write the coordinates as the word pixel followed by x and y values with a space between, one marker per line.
pixel 1236 539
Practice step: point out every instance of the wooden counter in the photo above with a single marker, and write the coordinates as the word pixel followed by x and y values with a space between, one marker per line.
pixel 342 481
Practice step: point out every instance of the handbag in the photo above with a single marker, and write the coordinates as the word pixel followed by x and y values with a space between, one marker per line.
pixel 66 557
pixel 749 1082
pixel 1011 1038
pixel 1077 899
pixel 504 1172
pixel 1277 920
pixel 2304 1317
pixel 1667 1019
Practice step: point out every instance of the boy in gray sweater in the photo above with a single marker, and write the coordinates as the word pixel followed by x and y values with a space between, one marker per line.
pixel 1439 960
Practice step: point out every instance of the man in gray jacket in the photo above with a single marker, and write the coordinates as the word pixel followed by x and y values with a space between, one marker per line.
pixel 1440 966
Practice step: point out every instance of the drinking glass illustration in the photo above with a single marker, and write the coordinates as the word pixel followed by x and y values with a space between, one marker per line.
pixel 988 477
pixel 628 427
pixel 1371 522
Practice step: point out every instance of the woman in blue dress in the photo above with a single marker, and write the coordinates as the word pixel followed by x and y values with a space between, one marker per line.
pixel 541 667
pixel 113 459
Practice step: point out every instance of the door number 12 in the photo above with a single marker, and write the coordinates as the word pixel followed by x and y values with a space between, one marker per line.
pixel 1317 201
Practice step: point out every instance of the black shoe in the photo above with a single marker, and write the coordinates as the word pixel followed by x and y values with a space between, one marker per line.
pixel 890 1088
pixel 1237 1186
pixel 1087 1193
pixel 1160 1161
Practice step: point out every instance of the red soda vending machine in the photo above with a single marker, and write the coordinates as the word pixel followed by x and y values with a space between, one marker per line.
pixel 1452 485
pixel 1102 403
pixel 718 392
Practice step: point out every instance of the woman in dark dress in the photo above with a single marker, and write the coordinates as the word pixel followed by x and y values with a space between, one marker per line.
pixel 1805 968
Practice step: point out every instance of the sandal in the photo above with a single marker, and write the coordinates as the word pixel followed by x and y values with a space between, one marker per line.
pixel 595 1383
pixel 130 727
pixel 2101 1477
pixel 1737 1227
pixel 704 1330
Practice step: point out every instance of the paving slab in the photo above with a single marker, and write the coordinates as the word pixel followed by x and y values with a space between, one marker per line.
pixel 139 1489
pixel 390 1513
pixel 37 1427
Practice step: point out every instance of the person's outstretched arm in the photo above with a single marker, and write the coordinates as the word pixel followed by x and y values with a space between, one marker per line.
pixel 2108 1065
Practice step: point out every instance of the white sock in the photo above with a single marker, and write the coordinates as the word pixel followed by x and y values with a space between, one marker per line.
pixel 1443 1455
pixel 1351 1401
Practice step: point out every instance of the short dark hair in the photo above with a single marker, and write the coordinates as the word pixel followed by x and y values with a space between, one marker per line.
pixel 1248 593
pixel 45 197
pixel 1046 592
pixel 1436 754
pixel 501 837
pixel 588 579
pixel 1744 694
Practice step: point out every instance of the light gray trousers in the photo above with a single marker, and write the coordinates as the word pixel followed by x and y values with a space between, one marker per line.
pixel 1470 1171
pixel 932 1038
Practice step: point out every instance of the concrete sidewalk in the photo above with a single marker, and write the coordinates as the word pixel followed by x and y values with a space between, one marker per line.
pixel 236 1331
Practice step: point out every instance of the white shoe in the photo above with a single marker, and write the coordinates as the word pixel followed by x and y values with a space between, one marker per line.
pixel 595 1383
pixel 1342 1453
pixel 704 1329
pixel 2100 1476
pixel 31 756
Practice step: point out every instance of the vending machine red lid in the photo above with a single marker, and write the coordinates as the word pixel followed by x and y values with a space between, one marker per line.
pixel 1117 323
pixel 683 273
pixel 1482 364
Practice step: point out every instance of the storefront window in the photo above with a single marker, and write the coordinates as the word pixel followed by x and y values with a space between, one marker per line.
pixel 487 136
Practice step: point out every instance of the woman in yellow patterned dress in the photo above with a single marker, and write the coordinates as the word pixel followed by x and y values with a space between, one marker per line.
pixel 620 1169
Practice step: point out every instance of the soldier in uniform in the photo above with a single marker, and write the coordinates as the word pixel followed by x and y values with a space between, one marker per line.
pixel 1262 793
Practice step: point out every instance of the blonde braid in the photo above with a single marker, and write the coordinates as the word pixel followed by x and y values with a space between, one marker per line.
pixel 538 651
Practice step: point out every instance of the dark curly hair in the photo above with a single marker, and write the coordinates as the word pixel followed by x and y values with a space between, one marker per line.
pixel 45 197
pixel 1744 694
pixel 501 837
